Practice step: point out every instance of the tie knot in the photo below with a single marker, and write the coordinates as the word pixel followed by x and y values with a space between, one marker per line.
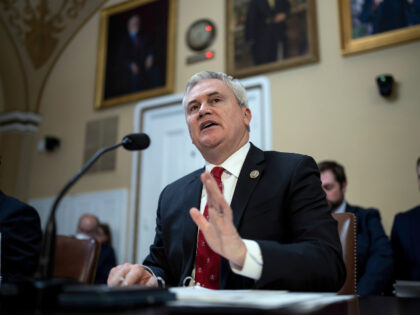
pixel 217 172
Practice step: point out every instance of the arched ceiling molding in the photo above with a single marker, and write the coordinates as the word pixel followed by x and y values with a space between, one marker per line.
pixel 39 31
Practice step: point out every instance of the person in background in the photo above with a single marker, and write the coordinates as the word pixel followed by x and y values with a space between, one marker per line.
pixel 88 226
pixel 374 253
pixel 104 234
pixel 21 237
pixel 405 240
pixel 249 218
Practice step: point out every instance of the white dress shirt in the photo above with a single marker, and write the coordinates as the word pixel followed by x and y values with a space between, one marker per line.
pixel 341 208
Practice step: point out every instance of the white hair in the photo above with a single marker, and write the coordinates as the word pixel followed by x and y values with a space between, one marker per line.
pixel 234 84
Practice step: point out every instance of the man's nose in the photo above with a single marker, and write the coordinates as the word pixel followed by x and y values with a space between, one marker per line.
pixel 204 109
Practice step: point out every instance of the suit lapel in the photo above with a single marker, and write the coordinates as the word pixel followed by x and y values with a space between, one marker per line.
pixel 247 183
pixel 189 234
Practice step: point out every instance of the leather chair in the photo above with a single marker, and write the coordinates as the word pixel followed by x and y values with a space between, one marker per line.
pixel 76 259
pixel 347 232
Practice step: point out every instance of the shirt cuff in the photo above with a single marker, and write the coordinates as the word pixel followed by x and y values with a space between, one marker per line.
pixel 253 261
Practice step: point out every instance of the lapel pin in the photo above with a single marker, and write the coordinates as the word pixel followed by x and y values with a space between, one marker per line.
pixel 254 174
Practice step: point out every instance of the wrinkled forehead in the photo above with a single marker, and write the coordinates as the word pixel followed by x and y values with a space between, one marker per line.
pixel 207 87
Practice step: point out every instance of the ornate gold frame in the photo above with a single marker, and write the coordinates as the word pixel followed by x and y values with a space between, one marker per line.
pixel 168 87
pixel 310 57
pixel 353 46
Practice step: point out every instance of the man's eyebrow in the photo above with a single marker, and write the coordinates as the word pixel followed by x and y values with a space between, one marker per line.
pixel 208 95
pixel 213 93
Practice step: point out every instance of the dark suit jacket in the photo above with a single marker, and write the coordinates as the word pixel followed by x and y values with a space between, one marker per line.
pixel 21 237
pixel 284 209
pixel 375 260
pixel 405 240
pixel 262 33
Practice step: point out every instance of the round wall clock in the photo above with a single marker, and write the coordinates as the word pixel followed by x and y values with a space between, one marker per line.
pixel 200 34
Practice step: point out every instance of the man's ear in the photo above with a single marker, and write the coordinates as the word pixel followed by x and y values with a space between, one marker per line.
pixel 247 115
pixel 344 187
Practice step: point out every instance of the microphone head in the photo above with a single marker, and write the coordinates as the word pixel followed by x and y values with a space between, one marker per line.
pixel 136 141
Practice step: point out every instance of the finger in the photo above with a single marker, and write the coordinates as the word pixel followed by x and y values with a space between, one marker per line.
pixel 117 274
pixel 136 275
pixel 214 195
pixel 151 282
pixel 210 185
pixel 198 218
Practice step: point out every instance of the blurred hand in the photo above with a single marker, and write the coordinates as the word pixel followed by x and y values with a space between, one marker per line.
pixel 279 17
pixel 148 63
pixel 219 231
pixel 129 274
pixel 134 68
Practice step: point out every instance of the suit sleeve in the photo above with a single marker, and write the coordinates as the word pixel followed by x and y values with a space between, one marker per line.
pixel 380 262
pixel 21 241
pixel 312 259
pixel 157 259
pixel 401 264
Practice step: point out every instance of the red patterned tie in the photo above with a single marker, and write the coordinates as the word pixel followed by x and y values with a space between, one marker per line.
pixel 207 262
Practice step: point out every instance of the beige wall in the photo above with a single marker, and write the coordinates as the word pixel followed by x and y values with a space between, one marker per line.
pixel 329 109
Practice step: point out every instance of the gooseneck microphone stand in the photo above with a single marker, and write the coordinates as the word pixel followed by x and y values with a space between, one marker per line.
pixel 43 290
pixel 46 258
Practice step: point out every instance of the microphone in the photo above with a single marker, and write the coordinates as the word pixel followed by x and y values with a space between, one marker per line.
pixel 132 142
pixel 136 141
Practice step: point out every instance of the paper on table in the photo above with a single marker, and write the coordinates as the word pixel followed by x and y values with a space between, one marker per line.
pixel 263 299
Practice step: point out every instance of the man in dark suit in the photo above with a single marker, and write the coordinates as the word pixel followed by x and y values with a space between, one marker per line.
pixel 21 238
pixel 374 253
pixel 405 240
pixel 270 228
pixel 265 28
pixel 136 59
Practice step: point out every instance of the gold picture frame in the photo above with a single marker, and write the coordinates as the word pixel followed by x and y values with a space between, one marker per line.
pixel 361 31
pixel 136 52
pixel 246 34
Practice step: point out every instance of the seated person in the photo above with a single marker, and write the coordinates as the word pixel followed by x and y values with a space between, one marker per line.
pixel 21 238
pixel 89 226
pixel 262 217
pixel 405 240
pixel 374 253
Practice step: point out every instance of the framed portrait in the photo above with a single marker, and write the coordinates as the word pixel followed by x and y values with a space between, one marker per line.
pixel 371 24
pixel 270 35
pixel 135 52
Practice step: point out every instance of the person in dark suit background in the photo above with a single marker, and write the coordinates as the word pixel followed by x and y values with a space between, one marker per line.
pixel 21 238
pixel 405 240
pixel 385 15
pixel 136 59
pixel 265 29
pixel 271 225
pixel 374 253
pixel 412 12
pixel 88 226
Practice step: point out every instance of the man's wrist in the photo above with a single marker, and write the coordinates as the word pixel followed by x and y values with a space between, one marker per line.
pixel 159 280
pixel 238 262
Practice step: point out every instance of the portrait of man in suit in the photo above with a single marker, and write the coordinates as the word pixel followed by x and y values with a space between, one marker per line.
pixel 136 49
pixel 249 218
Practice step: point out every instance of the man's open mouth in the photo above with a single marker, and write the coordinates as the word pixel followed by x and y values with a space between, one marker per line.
pixel 207 125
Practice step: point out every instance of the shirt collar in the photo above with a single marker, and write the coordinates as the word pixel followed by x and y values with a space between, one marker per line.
pixel 341 208
pixel 234 163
